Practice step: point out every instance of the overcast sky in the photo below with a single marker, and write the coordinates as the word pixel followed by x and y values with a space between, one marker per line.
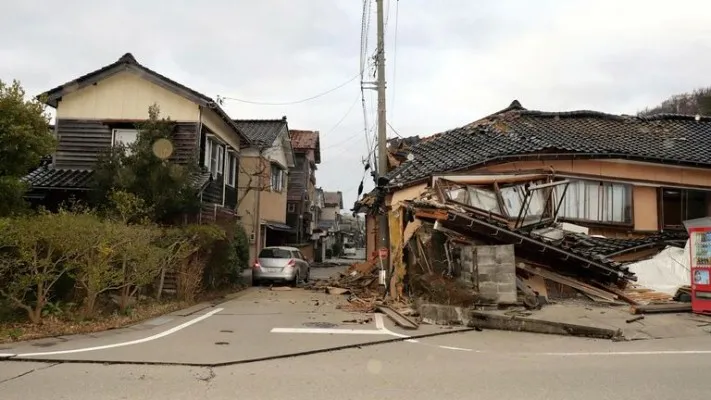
pixel 449 62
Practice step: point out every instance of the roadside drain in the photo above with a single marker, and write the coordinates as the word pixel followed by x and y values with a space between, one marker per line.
pixel 222 343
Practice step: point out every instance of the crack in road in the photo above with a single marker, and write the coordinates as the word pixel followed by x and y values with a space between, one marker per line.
pixel 28 372
pixel 244 361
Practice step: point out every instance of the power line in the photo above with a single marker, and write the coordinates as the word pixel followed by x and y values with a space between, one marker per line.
pixel 344 116
pixel 394 131
pixel 286 103
pixel 392 99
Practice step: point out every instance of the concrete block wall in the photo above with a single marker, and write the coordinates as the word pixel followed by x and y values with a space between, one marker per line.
pixel 468 266
pixel 496 273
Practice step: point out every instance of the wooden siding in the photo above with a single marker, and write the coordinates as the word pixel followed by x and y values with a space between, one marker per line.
pixel 184 141
pixel 230 197
pixel 297 178
pixel 213 191
pixel 81 142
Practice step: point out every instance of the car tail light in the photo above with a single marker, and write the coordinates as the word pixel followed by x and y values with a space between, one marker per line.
pixel 256 264
pixel 291 263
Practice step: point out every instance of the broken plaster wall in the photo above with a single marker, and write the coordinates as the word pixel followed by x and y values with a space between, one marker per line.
pixel 495 273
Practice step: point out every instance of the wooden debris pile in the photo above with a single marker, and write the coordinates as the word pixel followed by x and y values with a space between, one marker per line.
pixel 359 283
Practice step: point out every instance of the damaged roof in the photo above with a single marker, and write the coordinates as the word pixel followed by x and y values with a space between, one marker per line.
pixel 262 132
pixel 515 131
pixel 306 140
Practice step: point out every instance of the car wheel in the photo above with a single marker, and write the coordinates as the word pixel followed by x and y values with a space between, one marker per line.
pixel 308 275
pixel 255 282
pixel 297 280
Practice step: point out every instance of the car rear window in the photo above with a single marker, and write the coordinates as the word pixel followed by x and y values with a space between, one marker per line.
pixel 275 253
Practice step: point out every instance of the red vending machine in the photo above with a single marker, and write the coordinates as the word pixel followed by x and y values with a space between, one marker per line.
pixel 700 252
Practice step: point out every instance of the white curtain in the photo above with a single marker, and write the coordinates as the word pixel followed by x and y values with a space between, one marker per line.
pixel 595 201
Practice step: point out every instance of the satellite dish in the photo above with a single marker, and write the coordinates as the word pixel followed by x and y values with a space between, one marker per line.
pixel 410 157
pixel 163 148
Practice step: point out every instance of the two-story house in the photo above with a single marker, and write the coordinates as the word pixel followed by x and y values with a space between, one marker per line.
pixel 302 184
pixel 262 191
pixel 101 108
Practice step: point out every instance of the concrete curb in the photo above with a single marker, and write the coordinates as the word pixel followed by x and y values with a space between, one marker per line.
pixel 438 314
pixel 484 320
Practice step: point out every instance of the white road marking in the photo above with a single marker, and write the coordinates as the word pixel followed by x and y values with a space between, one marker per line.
pixel 329 331
pixel 122 344
pixel 455 348
pixel 380 323
pixel 382 330
pixel 6 355
pixel 624 353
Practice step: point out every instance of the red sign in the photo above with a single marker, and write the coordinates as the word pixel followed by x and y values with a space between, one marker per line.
pixel 383 252
pixel 700 249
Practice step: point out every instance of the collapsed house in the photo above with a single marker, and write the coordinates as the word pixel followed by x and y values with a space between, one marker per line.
pixel 525 205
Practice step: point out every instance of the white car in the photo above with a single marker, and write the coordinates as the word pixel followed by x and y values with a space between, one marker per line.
pixel 349 250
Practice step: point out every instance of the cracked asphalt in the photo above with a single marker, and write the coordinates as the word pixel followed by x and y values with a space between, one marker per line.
pixel 231 352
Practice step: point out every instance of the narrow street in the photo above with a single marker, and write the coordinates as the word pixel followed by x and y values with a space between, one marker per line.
pixel 295 344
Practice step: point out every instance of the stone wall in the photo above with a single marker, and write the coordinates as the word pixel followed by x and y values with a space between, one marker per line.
pixel 495 273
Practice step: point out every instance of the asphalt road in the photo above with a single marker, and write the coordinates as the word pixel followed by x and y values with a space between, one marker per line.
pixel 294 344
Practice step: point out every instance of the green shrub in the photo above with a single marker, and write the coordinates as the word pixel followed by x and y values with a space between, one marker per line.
pixel 35 252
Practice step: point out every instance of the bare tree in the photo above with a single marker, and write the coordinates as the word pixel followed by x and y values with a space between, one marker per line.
pixel 696 102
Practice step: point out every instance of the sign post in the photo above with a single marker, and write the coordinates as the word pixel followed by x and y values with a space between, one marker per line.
pixel 382 255
pixel 700 264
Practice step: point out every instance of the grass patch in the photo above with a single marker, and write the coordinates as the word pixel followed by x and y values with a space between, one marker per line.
pixel 68 323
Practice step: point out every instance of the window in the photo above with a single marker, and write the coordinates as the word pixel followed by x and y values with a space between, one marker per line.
pixel 231 169
pixel 214 157
pixel 291 207
pixel 513 201
pixel 220 159
pixel 277 179
pixel 679 205
pixel 275 253
pixel 596 201
pixel 125 137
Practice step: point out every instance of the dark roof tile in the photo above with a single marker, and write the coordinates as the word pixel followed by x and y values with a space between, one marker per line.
pixel 515 131
pixel 51 178
pixel 262 132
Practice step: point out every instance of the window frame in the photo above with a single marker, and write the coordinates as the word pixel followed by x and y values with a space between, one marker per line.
pixel 604 203
pixel 276 178
pixel 231 164
pixel 115 133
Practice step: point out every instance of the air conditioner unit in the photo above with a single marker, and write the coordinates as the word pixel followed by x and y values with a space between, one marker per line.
pixel 252 237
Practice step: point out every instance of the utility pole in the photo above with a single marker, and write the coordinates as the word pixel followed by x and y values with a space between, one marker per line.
pixel 383 231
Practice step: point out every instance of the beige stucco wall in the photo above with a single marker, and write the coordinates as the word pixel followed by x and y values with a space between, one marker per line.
pixel 248 185
pixel 213 122
pixel 621 169
pixel 644 208
pixel 329 213
pixel 125 96
pixel 272 205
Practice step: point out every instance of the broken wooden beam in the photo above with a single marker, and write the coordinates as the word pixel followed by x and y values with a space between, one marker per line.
pixel 399 319
pixel 575 284
pixel 661 308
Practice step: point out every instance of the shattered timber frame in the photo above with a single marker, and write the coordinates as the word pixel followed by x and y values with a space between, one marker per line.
pixel 486 225
pixel 550 208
